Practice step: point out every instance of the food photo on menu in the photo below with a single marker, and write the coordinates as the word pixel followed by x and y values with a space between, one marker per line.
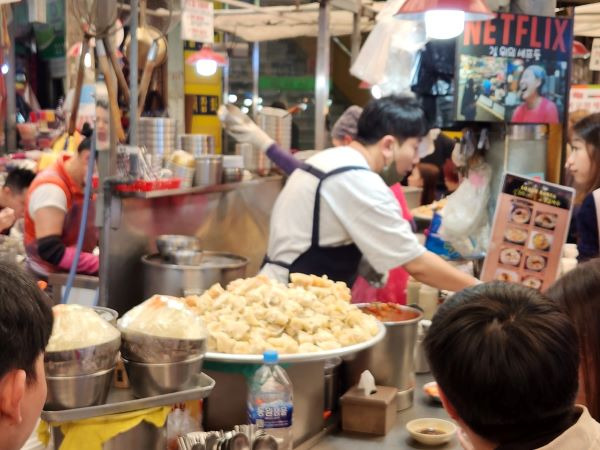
pixel 516 236
pixel 509 276
pixel 536 263
pixel 529 229
pixel 545 220
pixel 521 212
pixel 510 256
pixel 540 241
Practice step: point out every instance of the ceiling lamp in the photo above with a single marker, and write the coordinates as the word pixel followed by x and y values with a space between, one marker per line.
pixel 580 50
pixel 206 61
pixel 444 19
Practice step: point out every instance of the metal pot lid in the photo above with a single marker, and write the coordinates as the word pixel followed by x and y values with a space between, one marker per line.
pixel 210 260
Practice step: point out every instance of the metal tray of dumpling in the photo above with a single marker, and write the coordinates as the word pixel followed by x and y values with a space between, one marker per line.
pixel 147 348
pixel 300 357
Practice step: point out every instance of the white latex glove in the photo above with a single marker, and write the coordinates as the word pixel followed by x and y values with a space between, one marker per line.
pixel 242 128
pixel 7 218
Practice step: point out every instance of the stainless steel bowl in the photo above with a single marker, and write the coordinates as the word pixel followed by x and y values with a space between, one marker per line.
pixel 146 348
pixel 147 380
pixel 168 244
pixel 187 257
pixel 108 314
pixel 78 392
pixel 82 361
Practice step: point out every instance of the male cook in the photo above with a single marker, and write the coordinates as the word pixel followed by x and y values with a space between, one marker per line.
pixel 336 208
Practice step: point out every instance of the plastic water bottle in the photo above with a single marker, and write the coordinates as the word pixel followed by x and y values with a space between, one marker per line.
pixel 270 400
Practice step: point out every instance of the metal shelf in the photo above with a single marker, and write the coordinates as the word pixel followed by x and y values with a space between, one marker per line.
pixel 199 189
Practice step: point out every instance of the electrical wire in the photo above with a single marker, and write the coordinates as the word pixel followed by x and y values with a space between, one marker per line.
pixel 84 219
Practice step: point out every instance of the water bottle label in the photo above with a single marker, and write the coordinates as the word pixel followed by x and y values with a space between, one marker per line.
pixel 271 415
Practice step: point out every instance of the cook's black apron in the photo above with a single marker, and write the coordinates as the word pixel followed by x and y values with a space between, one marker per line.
pixel 338 263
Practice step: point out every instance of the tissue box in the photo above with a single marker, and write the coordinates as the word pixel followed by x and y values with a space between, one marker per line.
pixel 372 414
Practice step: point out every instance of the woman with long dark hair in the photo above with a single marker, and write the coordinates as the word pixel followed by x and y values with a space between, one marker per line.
pixel 425 176
pixel 578 292
pixel 584 165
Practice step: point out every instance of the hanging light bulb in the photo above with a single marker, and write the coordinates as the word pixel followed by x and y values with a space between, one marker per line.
pixel 87 60
pixel 4 69
pixel 232 98
pixel 444 23
pixel 206 67
pixel 376 91
pixel 444 19
pixel 206 61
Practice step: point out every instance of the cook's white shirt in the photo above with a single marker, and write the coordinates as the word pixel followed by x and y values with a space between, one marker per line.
pixel 356 206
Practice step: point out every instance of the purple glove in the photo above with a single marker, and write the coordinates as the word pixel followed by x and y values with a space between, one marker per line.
pixel 88 262
pixel 284 160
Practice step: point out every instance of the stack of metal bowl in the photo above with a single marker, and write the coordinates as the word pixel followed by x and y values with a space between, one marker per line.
pixel 179 249
pixel 159 136
pixel 197 144
pixel 80 377
pixel 158 365
pixel 277 123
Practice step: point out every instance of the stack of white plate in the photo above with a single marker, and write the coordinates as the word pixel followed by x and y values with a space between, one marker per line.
pixel 158 135
pixel 277 123
pixel 197 144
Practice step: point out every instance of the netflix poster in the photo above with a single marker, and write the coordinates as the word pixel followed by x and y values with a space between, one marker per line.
pixel 513 68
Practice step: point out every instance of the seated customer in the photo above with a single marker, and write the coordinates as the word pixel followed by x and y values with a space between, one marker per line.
pixel 25 327
pixel 578 293
pixel 12 197
pixel 505 358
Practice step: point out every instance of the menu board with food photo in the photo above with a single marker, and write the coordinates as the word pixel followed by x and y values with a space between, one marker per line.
pixel 530 227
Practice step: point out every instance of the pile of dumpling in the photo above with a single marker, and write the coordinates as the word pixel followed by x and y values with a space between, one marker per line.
pixel 311 314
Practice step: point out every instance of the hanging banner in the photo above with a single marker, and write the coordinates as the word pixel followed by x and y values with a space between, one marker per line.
pixel 197 21
pixel 530 227
pixel 513 68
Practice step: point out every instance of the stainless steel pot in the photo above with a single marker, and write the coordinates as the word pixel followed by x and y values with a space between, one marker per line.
pixel 391 361
pixel 171 279
pixel 332 383
pixel 209 170
pixel 255 160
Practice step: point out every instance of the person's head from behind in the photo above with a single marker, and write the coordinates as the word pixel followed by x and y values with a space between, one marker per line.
pixel 451 178
pixel 532 81
pixel 345 128
pixel 578 293
pixel 584 160
pixel 77 165
pixel 391 128
pixel 15 188
pixel 505 358
pixel 25 327
pixel 425 176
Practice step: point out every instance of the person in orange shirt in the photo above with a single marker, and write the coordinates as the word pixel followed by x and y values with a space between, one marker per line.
pixel 53 212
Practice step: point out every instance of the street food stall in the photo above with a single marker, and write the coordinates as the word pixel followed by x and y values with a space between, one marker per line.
pixel 173 328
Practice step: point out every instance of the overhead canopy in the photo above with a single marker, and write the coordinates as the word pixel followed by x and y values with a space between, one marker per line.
pixel 587 20
pixel 270 23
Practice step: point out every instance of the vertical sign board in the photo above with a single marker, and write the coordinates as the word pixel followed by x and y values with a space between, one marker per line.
pixel 595 55
pixel 197 23
pixel 530 227
pixel 513 68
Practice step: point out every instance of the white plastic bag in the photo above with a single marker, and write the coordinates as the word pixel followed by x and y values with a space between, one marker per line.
pixel 387 56
pixel 465 223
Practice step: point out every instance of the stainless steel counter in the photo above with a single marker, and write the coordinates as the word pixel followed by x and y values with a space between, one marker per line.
pixel 398 438
pixel 230 218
